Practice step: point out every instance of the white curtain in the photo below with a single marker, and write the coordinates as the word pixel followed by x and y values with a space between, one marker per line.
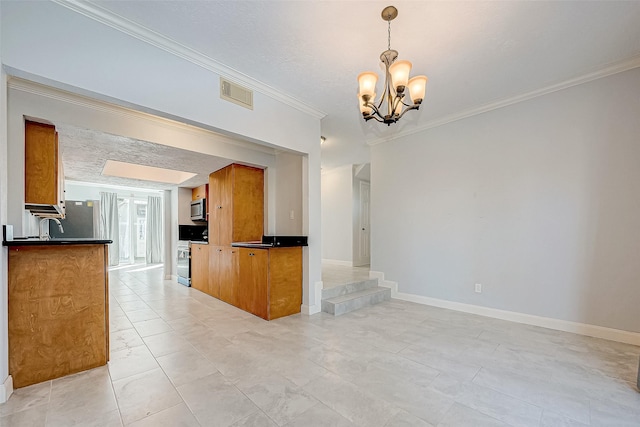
pixel 109 228
pixel 154 230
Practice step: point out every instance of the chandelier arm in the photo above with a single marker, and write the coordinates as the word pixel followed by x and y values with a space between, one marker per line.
pixel 374 108
pixel 413 107
pixel 397 100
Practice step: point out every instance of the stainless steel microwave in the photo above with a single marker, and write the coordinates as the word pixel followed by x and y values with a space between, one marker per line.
pixel 199 210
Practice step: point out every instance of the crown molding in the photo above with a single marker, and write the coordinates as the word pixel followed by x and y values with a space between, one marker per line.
pixel 160 41
pixel 38 89
pixel 611 69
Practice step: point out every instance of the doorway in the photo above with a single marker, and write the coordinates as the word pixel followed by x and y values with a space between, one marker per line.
pixel 132 218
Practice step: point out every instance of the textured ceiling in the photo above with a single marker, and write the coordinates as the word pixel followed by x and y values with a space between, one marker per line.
pixel 84 153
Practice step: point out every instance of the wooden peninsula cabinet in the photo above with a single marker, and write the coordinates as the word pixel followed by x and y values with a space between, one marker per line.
pixel 58 308
pixel 270 283
pixel 44 176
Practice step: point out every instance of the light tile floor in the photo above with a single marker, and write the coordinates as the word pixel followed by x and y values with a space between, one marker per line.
pixel 182 358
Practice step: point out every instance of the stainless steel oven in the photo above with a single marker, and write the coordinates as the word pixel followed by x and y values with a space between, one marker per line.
pixel 184 264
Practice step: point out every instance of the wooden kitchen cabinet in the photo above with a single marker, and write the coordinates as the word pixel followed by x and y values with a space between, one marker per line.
pixel 199 192
pixel 200 267
pixel 270 281
pixel 44 176
pixel 216 265
pixel 254 276
pixel 58 321
pixel 236 204
pixel 228 272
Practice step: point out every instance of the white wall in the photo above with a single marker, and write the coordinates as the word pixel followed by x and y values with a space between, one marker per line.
pixel 288 194
pixel 184 208
pixel 174 231
pixel 5 388
pixel 539 202
pixel 337 215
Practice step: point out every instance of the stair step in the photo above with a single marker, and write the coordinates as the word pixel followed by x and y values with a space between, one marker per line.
pixel 336 291
pixel 353 301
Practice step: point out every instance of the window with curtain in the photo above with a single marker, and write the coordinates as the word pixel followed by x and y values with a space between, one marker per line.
pixel 109 225
pixel 154 230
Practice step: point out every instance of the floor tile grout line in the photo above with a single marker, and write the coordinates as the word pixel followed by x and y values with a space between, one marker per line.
pixel 115 396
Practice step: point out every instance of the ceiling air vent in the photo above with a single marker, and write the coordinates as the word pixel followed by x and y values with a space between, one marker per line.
pixel 236 94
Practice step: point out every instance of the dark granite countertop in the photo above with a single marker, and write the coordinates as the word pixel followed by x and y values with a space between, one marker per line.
pixel 54 242
pixel 255 245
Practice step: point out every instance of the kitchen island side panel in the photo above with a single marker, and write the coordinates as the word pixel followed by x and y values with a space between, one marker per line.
pixel 57 311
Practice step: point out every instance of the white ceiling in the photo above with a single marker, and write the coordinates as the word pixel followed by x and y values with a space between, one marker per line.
pixel 474 52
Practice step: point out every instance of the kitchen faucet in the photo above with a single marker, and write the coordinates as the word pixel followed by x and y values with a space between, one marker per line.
pixel 44 235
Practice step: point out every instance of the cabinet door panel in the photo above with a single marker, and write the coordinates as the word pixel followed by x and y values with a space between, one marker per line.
pixel 213 203
pixel 248 203
pixel 200 267
pixel 229 275
pixel 253 287
pixel 215 266
pixel 225 212
pixel 41 164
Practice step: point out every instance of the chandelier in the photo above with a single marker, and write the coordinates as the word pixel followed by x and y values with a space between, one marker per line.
pixel 391 106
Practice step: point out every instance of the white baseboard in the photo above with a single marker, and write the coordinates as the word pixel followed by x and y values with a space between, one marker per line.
pixel 310 310
pixel 6 389
pixel 337 262
pixel 512 316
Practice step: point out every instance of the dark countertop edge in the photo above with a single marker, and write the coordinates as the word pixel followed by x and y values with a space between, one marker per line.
pixel 252 245
pixel 256 245
pixel 55 242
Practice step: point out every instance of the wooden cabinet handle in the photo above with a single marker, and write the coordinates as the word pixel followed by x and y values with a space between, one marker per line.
pixel 251 254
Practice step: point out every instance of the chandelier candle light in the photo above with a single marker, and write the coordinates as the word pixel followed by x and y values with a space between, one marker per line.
pixel 391 106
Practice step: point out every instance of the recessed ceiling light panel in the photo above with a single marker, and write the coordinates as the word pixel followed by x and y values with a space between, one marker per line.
pixel 145 173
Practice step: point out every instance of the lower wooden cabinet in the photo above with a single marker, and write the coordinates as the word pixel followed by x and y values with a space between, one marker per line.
pixel 264 282
pixel 58 320
pixel 270 284
pixel 254 278
pixel 228 273
pixel 200 267
pixel 215 256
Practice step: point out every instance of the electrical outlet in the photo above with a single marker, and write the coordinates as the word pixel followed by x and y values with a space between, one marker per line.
pixel 291 215
pixel 479 288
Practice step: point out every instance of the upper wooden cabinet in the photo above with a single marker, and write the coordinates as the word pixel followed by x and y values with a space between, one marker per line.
pixel 236 204
pixel 199 192
pixel 43 174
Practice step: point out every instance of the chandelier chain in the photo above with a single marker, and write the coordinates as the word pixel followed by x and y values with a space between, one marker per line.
pixel 389 39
